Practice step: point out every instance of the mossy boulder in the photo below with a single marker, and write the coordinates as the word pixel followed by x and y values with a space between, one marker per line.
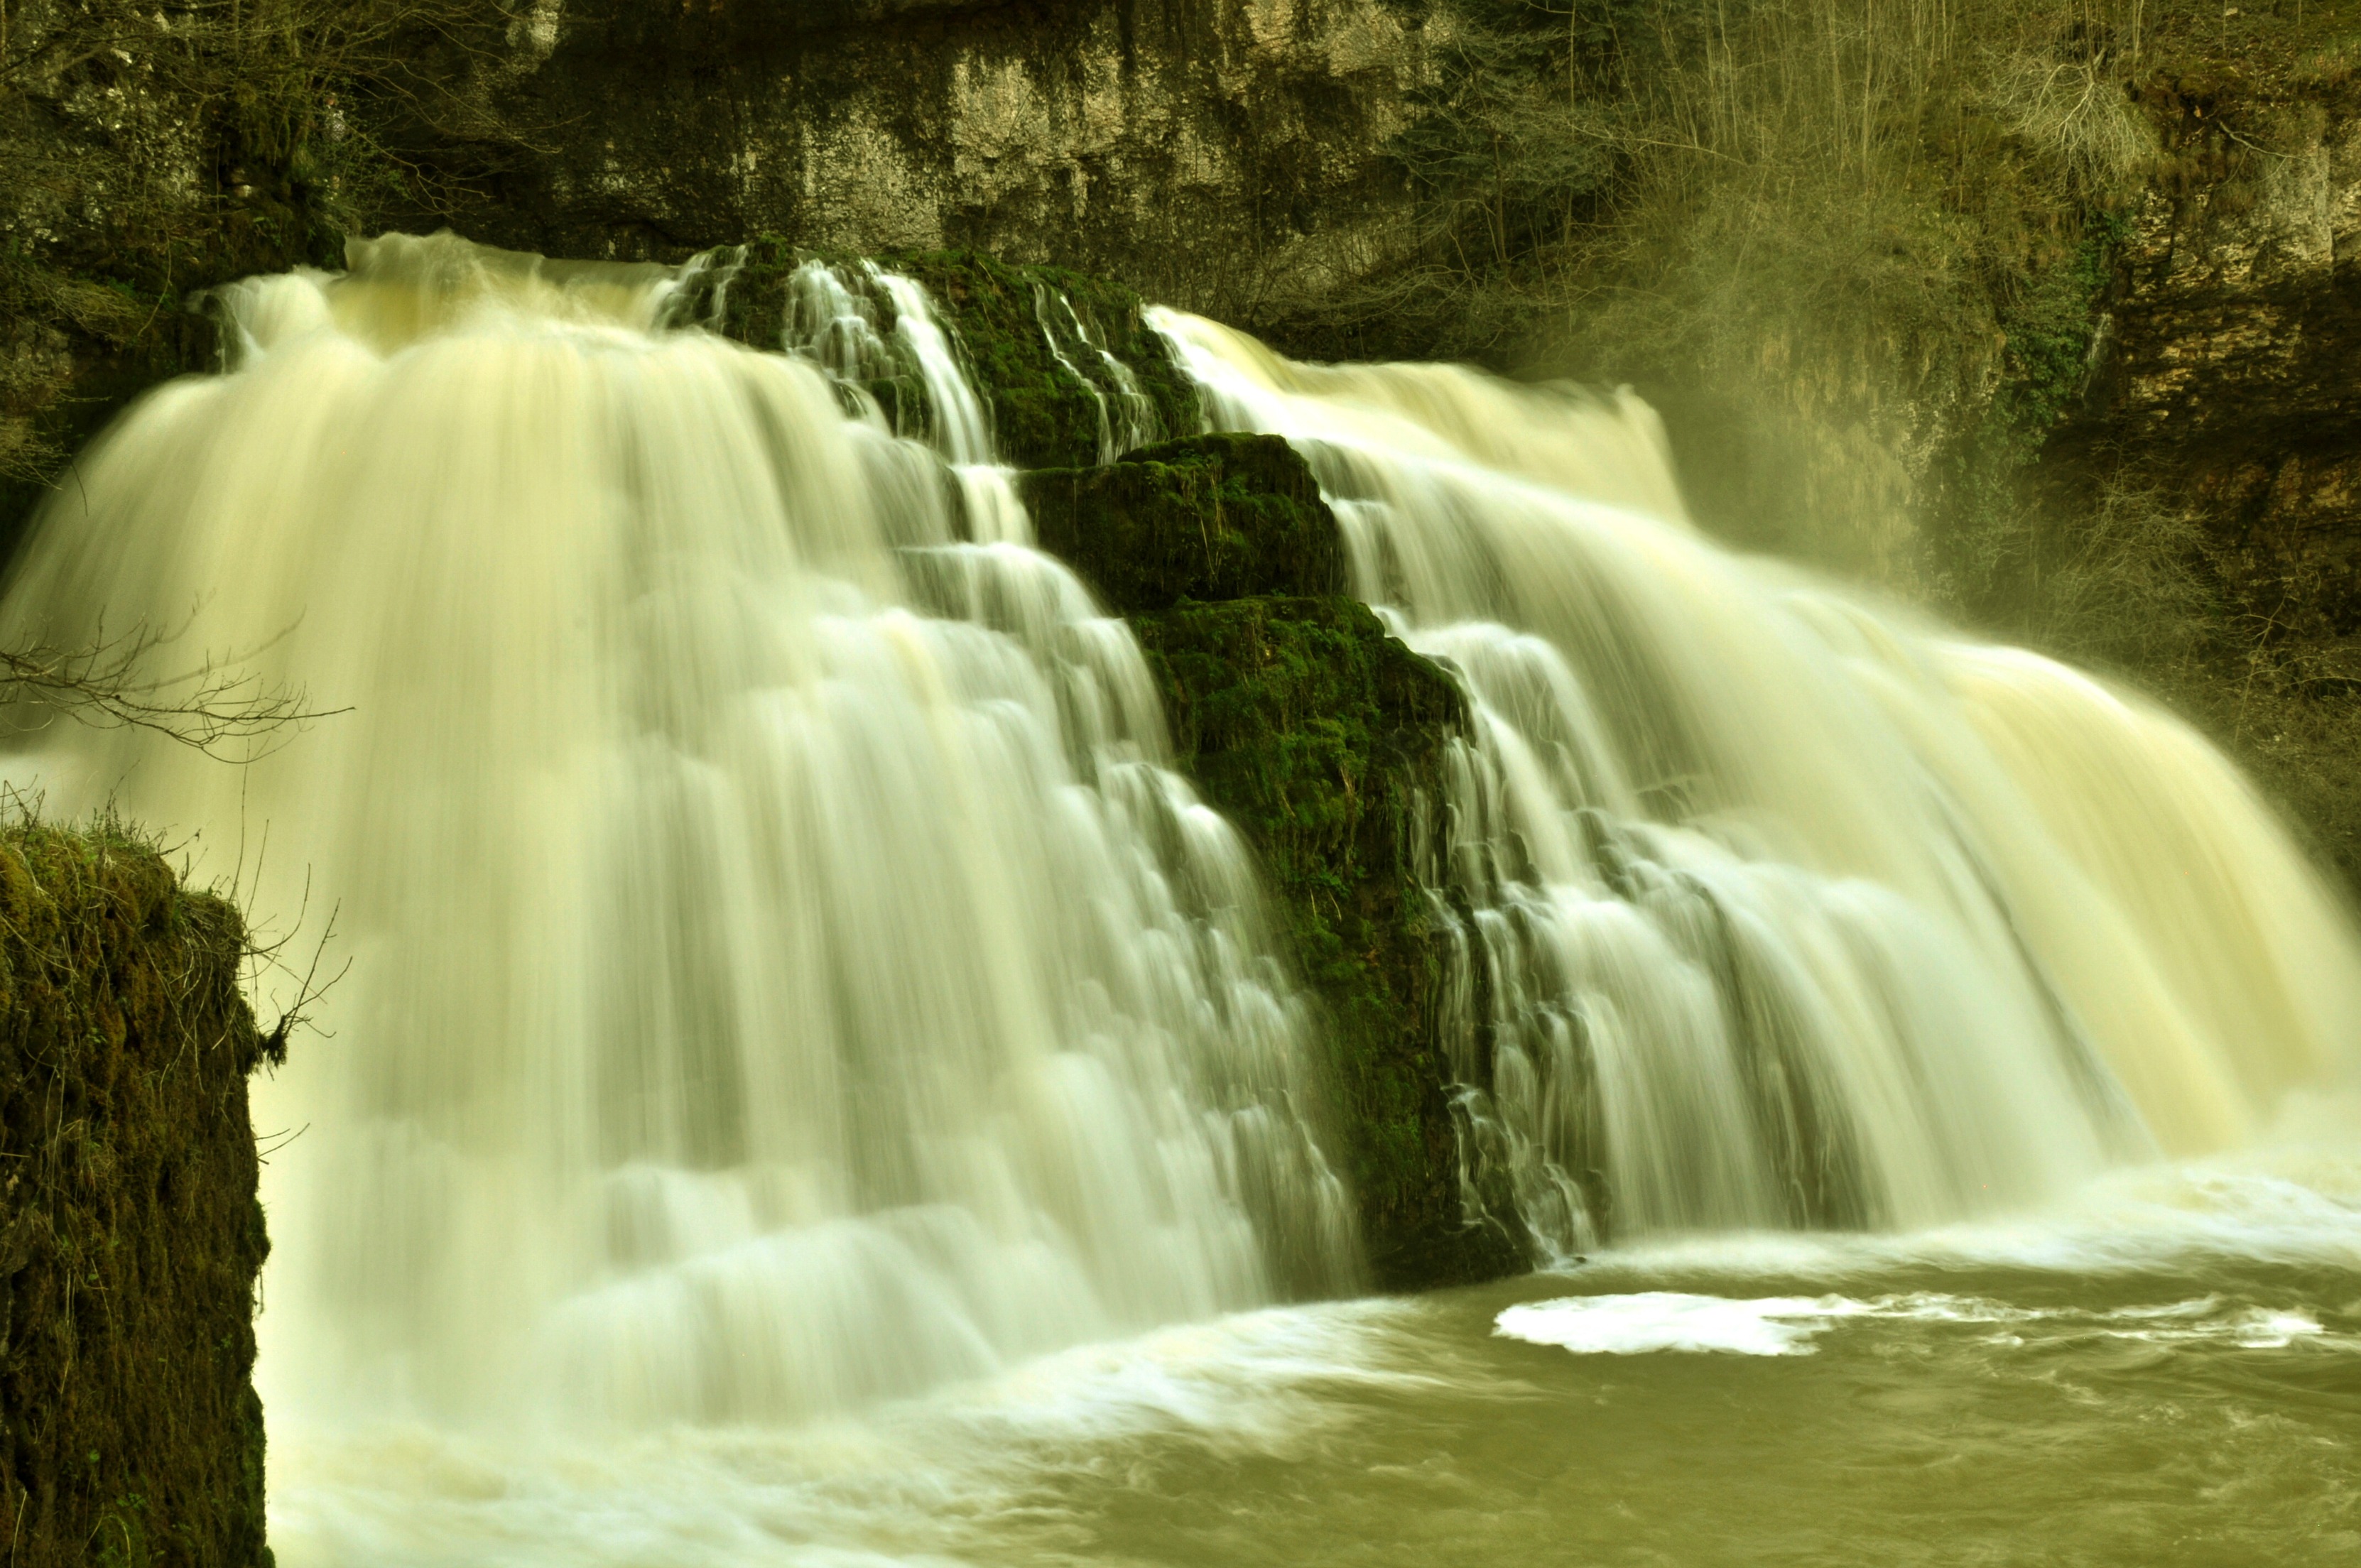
pixel 1323 740
pixel 1213 516
pixel 130 1235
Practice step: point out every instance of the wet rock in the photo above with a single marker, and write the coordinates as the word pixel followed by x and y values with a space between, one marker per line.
pixel 1324 741
pixel 1211 518
pixel 130 1235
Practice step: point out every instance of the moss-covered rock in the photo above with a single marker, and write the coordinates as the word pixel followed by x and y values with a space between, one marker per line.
pixel 1036 340
pixel 1211 517
pixel 130 1235
pixel 1322 738
pixel 1043 414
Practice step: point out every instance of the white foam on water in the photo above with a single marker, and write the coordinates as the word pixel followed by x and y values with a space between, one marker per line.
pixel 1670 1320
pixel 927 1481
pixel 2296 1201
pixel 1645 1321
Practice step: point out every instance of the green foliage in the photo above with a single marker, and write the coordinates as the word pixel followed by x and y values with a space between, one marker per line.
pixel 1211 517
pixel 1991 533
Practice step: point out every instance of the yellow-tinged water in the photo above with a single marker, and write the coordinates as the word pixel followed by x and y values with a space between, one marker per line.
pixel 814 1086
pixel 2165 1369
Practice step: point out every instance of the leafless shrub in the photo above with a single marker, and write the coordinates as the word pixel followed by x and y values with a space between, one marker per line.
pixel 215 704
pixel 2073 111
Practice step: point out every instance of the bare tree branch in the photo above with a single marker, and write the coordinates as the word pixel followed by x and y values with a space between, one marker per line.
pixel 216 705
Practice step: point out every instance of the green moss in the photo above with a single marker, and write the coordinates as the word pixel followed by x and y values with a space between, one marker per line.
pixel 1211 517
pixel 1043 413
pixel 1322 740
pixel 129 1241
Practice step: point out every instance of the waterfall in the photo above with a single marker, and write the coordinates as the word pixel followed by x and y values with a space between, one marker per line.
pixel 1775 906
pixel 783 972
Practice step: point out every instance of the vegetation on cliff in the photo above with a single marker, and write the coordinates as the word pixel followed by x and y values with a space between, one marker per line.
pixel 130 1237
pixel 1867 255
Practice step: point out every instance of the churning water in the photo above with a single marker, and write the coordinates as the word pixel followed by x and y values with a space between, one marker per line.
pixel 814 1086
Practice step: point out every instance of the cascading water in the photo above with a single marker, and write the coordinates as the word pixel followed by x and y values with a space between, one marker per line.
pixel 783 973
pixel 1127 419
pixel 1778 907
pixel 785 978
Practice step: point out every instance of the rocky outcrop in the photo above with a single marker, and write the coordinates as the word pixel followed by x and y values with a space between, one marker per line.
pixel 130 1235
pixel 1213 153
pixel 1213 516
pixel 1324 741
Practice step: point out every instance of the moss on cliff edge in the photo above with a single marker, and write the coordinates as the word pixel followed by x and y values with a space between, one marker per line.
pixel 1211 517
pixel 1322 738
pixel 130 1236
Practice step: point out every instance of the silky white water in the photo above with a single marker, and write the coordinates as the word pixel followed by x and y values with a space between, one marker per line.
pixel 812 1086
pixel 1780 906
pixel 782 974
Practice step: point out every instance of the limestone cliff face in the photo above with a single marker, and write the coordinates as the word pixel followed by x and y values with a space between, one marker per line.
pixel 1213 153
pixel 2226 372
pixel 1223 155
